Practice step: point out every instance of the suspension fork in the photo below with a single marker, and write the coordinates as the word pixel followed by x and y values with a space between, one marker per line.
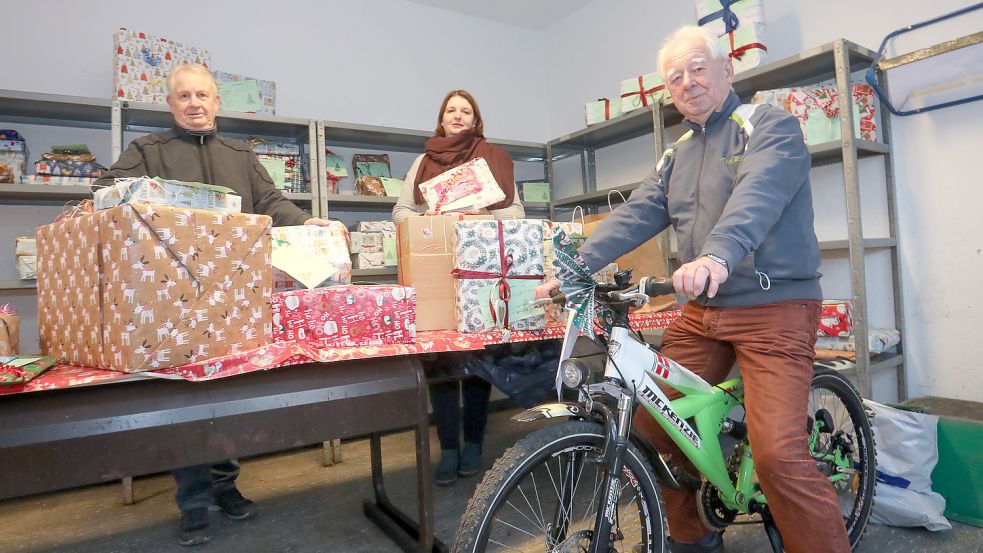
pixel 615 446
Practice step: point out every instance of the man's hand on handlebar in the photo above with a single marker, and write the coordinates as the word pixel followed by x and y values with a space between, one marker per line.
pixel 547 289
pixel 701 274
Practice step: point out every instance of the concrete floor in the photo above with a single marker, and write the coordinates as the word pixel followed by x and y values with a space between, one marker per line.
pixel 307 508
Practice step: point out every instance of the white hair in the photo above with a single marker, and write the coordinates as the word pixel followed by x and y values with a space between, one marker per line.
pixel 708 39
pixel 195 68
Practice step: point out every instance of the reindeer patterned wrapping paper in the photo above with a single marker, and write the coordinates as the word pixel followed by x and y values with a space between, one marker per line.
pixel 484 251
pixel 346 316
pixel 142 287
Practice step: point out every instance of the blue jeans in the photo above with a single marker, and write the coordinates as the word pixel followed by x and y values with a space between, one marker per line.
pixel 199 484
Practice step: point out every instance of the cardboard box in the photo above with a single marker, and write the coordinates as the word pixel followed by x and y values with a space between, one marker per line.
pixel 346 316
pixel 141 287
pixel 425 249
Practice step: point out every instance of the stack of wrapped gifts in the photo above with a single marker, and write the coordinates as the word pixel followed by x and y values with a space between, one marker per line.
pixel 373 245
pixel 13 157
pixel 67 165
pixel 282 160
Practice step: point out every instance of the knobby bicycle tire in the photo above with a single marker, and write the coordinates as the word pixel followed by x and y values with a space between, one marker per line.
pixel 514 500
pixel 856 494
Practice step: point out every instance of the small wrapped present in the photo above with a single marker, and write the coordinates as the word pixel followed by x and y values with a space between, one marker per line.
pixel 497 264
pixel 158 191
pixel 246 94
pixel 601 110
pixel 334 169
pixel 466 187
pixel 58 181
pixel 346 316
pixel 836 318
pixel 371 165
pixel 27 267
pixel 144 61
pixel 641 91
pixel 369 186
pixel 9 330
pixel 740 26
pixel 365 242
pixel 369 260
pixel 312 255
pixel 376 226
pixel 284 163
pixel 13 156
pixel 18 369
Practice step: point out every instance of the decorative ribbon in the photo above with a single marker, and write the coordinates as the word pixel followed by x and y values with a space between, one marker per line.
pixel 18 374
pixel 504 289
pixel 643 92
pixel 731 23
pixel 607 111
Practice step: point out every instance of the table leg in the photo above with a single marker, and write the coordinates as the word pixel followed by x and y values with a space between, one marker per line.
pixel 127 490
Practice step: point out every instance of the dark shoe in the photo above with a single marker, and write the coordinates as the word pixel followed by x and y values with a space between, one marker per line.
pixel 470 463
pixel 194 527
pixel 447 468
pixel 234 506
pixel 712 543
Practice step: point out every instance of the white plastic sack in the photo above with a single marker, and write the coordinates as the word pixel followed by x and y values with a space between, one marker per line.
pixel 907 451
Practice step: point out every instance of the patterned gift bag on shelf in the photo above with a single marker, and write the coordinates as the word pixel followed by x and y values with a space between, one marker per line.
pixel 143 61
pixel 496 266
pixel 740 24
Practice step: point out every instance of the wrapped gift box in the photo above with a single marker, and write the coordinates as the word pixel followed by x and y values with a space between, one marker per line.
pixel 246 94
pixel 19 369
pixel 141 287
pixel 58 181
pixel 465 187
pixel 496 266
pixel 376 226
pixel 157 191
pixel 144 61
pixel 311 256
pixel 9 330
pixel 641 91
pixel 27 267
pixel 425 252
pixel 369 260
pixel 740 25
pixel 13 154
pixel 62 168
pixel 369 186
pixel 346 316
pixel 836 318
pixel 601 110
pixel 365 242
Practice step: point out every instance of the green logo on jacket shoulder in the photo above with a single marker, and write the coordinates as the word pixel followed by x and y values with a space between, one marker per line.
pixel 733 160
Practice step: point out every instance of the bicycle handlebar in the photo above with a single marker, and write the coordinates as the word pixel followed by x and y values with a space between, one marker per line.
pixel 650 286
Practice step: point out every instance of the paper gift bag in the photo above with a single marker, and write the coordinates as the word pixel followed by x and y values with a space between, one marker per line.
pixel 9 332
pixel 645 260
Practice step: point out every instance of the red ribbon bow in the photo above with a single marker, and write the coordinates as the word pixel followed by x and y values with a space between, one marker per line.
pixel 643 93
pixel 504 289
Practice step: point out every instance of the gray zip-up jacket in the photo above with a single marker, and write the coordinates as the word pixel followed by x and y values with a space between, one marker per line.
pixel 747 200
pixel 212 159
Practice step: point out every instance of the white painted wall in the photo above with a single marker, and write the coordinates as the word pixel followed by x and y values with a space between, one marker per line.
pixel 938 179
pixel 377 62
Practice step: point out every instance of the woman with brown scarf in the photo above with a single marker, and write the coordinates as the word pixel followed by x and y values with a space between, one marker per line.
pixel 459 138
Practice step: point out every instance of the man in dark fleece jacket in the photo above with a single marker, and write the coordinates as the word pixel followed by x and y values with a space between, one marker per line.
pixel 193 151
pixel 735 188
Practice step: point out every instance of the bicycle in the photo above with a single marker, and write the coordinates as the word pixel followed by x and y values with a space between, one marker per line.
pixel 545 492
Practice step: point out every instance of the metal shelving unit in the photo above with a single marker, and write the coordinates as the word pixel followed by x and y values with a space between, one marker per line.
pixel 836 60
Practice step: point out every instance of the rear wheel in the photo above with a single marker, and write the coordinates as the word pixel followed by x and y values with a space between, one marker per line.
pixel 842 443
pixel 543 495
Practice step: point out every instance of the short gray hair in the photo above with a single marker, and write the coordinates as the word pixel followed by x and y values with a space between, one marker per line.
pixel 195 68
pixel 709 40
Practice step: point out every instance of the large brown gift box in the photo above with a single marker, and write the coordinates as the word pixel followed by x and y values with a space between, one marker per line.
pixel 142 287
pixel 425 245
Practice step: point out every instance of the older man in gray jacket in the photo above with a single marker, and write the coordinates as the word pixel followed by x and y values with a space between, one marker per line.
pixel 735 188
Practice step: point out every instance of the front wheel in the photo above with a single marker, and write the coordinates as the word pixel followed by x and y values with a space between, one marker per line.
pixel 543 495
pixel 842 443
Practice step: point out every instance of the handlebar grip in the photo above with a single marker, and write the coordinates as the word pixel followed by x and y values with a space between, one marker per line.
pixel 656 286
